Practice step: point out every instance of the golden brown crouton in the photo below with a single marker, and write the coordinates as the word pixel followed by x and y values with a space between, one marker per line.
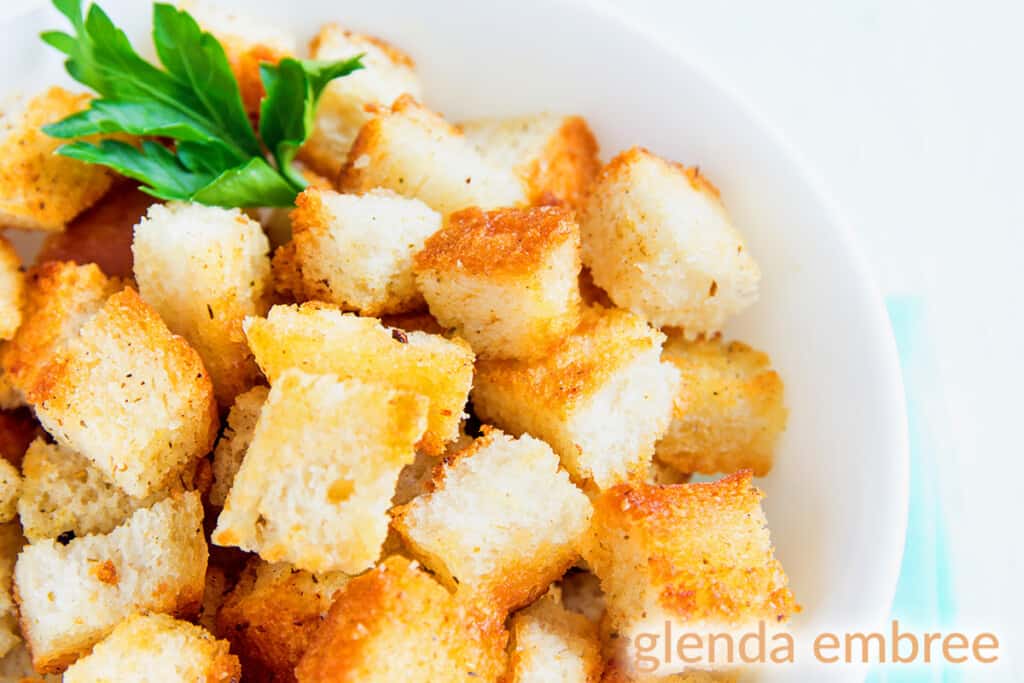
pixel 657 238
pixel 395 623
pixel 601 398
pixel 129 396
pixel 12 290
pixel 355 251
pixel 321 339
pixel 483 531
pixel 729 411
pixel 234 442
pixel 554 156
pixel 317 481
pixel 271 615
pixel 10 490
pixel 204 269
pixel 505 280
pixel 416 153
pixel 40 190
pixel 350 102
pixel 156 647
pixel 11 543
pixel 71 595
pixel 697 555
pixel 550 643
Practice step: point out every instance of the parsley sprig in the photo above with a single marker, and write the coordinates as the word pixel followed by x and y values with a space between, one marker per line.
pixel 194 100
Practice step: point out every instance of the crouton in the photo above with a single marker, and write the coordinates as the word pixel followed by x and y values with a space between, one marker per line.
pixel 349 102
pixel 40 190
pixel 61 296
pixel 663 473
pixel 234 442
pixel 125 356
pixel 12 290
pixel 155 647
pixel 16 667
pixel 601 398
pixel 550 643
pixel 204 269
pixel 11 542
pixel 505 280
pixel 416 153
pixel 355 251
pixel 555 157
pixel 516 545
pixel 696 555
pixel 396 623
pixel 320 339
pixel 271 615
pixel 729 412
pixel 10 490
pixel 101 234
pixel 657 238
pixel 73 594
pixel 10 397
pixel 316 484
pixel 64 494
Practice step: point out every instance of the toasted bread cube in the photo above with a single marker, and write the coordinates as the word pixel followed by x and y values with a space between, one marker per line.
pixel 320 339
pixel 61 297
pixel 316 484
pixel 349 102
pixel 555 157
pixel 64 493
pixel 125 356
pixel 601 398
pixel 550 643
pixel 11 542
pixel 355 251
pixel 516 544
pixel 729 412
pixel 696 555
pixel 10 490
pixel 272 613
pixel 663 473
pixel 156 648
pixel 72 595
pixel 416 153
pixel 657 238
pixel 396 623
pixel 40 190
pixel 12 290
pixel 505 280
pixel 234 442
pixel 16 667
pixel 204 269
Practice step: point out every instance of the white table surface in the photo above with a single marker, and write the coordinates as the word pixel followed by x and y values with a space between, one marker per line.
pixel 912 112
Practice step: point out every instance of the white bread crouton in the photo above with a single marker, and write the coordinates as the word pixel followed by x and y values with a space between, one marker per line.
pixel 657 238
pixel 416 153
pixel 697 555
pixel 64 493
pixel 482 529
pixel 320 339
pixel 156 648
pixel 316 484
pixel 125 356
pixel 349 102
pixel 601 398
pixel 12 289
pixel 40 190
pixel 16 667
pixel 271 615
pixel 506 280
pixel 396 623
pixel 355 251
pixel 234 442
pixel 71 596
pixel 11 542
pixel 555 157
pixel 729 412
pixel 204 269
pixel 550 644
pixel 10 490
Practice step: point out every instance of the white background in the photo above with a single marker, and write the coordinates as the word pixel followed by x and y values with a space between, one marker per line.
pixel 912 112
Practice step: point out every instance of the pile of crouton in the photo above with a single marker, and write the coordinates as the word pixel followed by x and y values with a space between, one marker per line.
pixel 437 423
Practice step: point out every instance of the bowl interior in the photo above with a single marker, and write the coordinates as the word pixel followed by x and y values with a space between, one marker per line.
pixel 836 501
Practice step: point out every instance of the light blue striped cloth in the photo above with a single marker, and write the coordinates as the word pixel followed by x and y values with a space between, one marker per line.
pixel 924 595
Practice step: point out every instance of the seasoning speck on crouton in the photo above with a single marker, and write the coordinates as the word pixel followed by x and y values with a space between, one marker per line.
pixel 506 280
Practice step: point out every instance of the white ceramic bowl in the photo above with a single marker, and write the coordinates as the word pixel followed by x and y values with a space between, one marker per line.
pixel 837 497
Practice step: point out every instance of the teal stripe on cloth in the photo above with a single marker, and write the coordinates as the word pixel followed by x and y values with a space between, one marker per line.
pixel 924 594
